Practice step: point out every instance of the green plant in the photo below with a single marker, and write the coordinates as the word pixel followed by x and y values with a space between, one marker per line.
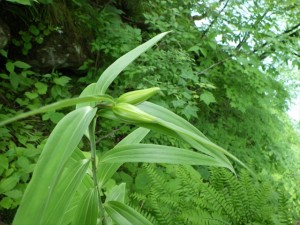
pixel 34 34
pixel 181 195
pixel 22 89
pixel 66 184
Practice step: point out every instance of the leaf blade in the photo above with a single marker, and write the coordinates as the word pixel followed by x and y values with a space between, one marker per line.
pixel 59 147
pixel 123 214
pixel 151 153
pixel 108 76
pixel 58 105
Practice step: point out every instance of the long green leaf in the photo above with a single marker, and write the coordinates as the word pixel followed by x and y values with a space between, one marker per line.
pixel 87 209
pixel 108 76
pixel 58 149
pixel 106 170
pixel 167 115
pixel 124 215
pixel 156 154
pixel 59 105
pixel 64 191
pixel 187 132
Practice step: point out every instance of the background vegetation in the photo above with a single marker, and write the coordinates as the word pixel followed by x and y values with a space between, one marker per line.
pixel 229 67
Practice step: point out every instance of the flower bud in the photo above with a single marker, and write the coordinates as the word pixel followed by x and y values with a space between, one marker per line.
pixel 139 96
pixel 131 114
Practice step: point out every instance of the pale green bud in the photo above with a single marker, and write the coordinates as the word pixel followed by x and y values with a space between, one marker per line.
pixel 139 96
pixel 132 114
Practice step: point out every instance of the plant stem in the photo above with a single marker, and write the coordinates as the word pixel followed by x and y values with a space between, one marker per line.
pixel 94 167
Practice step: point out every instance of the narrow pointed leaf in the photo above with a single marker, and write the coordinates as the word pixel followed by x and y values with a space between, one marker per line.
pixel 59 105
pixel 167 115
pixel 124 215
pixel 108 76
pixel 156 154
pixel 106 170
pixel 57 151
pixel 188 132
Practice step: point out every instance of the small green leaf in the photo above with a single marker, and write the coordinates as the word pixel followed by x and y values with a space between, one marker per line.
pixel 41 88
pixel 34 30
pixel 3 53
pixel 31 95
pixel 203 51
pixel 10 67
pixel 62 81
pixel 55 117
pixel 207 97
pixel 14 194
pixel 8 183
pixel 195 49
pixel 23 162
pixel 21 65
pixel 14 80
pixel 3 162
pixel 6 202
pixel 190 111
pixel 39 39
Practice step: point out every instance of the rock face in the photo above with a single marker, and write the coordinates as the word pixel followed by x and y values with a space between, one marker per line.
pixel 59 50
pixel 4 34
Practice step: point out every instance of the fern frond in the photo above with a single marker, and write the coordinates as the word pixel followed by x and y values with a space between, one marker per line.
pixel 204 218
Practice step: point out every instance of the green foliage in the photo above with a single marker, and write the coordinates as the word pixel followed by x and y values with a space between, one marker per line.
pixel 229 67
pixel 21 143
pixel 113 37
pixel 61 175
pixel 34 34
pixel 179 195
